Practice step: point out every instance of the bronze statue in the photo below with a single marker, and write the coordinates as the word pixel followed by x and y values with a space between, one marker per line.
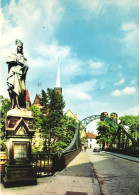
pixel 17 69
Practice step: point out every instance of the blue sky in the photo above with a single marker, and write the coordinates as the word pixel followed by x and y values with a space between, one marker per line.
pixel 95 43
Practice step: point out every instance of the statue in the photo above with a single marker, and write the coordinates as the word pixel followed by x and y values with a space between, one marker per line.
pixel 19 122
pixel 17 70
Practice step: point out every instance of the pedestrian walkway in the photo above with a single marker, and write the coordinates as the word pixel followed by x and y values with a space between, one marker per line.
pixel 76 179
pixel 131 158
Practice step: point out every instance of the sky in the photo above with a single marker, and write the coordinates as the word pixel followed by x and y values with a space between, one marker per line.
pixel 95 44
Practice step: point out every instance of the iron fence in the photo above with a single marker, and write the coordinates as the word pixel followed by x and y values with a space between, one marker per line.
pixel 43 163
pixel 46 164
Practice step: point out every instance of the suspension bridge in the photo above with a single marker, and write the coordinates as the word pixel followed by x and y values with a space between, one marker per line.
pixel 121 142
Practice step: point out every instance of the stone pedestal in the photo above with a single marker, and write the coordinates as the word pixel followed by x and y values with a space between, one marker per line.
pixel 19 132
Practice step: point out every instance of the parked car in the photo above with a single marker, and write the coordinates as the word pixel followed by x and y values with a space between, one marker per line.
pixel 96 149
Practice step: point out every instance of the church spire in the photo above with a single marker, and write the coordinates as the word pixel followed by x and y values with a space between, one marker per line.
pixel 58 88
pixel 58 79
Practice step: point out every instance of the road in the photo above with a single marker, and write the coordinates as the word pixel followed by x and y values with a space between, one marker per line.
pixel 116 176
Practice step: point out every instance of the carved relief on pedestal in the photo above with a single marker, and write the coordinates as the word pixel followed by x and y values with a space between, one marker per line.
pixel 21 131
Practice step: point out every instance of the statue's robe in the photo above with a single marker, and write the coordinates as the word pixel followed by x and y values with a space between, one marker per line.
pixel 17 69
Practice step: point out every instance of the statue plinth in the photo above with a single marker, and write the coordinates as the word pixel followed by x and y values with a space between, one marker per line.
pixel 19 113
pixel 19 131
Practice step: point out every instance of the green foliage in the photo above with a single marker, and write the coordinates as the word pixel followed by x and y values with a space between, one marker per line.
pixel 57 129
pixel 37 114
pixel 38 140
pixel 83 140
pixel 133 123
pixel 105 132
pixel 5 106
pixel 69 126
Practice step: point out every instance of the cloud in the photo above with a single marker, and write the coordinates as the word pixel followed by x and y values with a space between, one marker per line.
pixel 17 22
pixel 133 110
pixel 91 6
pixel 131 42
pixel 80 91
pixel 125 91
pixel 122 81
pixel 53 51
pixel 130 111
pixel 97 67
pixel 131 34
pixel 45 14
pixel 86 86
pixel 77 94
pixel 129 27
pixel 99 7
pixel 133 82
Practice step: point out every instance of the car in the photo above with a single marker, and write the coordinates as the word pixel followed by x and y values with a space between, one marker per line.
pixel 96 149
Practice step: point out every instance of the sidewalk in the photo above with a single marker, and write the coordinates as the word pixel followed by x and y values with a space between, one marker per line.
pixel 131 158
pixel 76 179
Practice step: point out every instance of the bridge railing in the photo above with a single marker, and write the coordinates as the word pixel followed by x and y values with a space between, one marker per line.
pixel 43 163
pixel 124 143
pixel 49 163
pixel 46 164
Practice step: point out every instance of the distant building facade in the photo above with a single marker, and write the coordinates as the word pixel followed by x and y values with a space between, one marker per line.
pixel 37 102
pixel 91 141
pixel 70 114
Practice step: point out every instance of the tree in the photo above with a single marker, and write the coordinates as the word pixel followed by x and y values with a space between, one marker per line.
pixel 133 124
pixel 5 106
pixel 105 133
pixel 53 105
pixel 38 140
pixel 69 126
pixel 54 130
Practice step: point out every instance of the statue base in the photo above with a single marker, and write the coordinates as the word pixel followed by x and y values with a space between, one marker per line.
pixel 20 112
pixel 19 175
pixel 19 131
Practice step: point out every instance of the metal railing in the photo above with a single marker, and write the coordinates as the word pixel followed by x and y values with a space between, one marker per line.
pixel 43 163
pixel 46 164
pixel 49 163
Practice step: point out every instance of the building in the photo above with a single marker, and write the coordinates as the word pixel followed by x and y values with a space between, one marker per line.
pixel 83 131
pixel 91 140
pixel 28 101
pixel 70 114
pixel 37 102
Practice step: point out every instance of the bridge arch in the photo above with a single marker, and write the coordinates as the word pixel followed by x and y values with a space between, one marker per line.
pixel 117 127
pixel 89 119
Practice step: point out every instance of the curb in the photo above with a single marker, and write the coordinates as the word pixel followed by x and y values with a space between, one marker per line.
pixel 134 159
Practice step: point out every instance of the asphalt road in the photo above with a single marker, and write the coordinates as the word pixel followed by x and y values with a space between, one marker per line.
pixel 116 176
